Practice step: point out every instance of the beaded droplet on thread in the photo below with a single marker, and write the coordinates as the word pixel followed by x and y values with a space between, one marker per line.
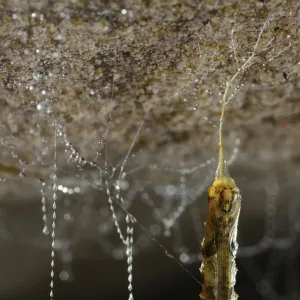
pixel 54 198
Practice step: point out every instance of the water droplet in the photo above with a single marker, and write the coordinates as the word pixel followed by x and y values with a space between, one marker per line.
pixel 45 230
pixel 167 233
pixel 65 275
pixel 130 297
pixel 44 106
pixel 184 257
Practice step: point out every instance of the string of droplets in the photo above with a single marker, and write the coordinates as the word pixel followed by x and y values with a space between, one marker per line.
pixel 169 222
pixel 129 238
pixel 268 240
pixel 22 163
pixel 44 209
pixel 182 171
pixel 113 212
pixel 54 212
pixel 128 241
pixel 129 254
pixel 129 220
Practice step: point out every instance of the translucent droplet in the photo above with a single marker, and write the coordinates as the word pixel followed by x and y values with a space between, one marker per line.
pixel 45 230
pixel 65 275
pixel 184 257
pixel 44 106
pixel 130 297
pixel 167 233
